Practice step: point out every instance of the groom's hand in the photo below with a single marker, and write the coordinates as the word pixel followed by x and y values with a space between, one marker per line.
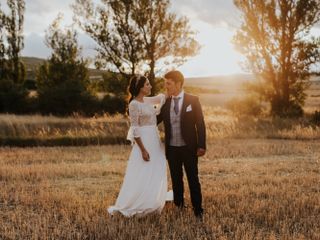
pixel 201 152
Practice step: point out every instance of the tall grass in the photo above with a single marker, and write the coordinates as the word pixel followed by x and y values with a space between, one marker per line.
pixel 220 123
pixel 40 130
pixel 51 126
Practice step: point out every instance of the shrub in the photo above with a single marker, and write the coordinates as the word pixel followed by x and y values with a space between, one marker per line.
pixel 12 97
pixel 113 104
pixel 316 117
pixel 65 99
pixel 250 106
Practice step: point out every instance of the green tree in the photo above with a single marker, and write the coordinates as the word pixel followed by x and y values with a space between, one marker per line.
pixel 63 79
pixel 15 39
pixel 119 46
pixel 11 41
pixel 115 84
pixel 12 71
pixel 165 35
pixel 2 46
pixel 274 37
pixel 135 35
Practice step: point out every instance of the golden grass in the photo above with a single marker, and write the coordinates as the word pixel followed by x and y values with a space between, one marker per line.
pixel 221 123
pixel 50 126
pixel 252 189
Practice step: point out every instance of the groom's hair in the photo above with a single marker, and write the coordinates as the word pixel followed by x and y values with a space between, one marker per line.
pixel 175 76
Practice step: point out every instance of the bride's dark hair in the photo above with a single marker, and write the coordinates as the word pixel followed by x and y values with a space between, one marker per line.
pixel 136 83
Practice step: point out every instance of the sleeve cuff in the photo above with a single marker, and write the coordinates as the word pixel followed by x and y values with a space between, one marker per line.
pixel 133 133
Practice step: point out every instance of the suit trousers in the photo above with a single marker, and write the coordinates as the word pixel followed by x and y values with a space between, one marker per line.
pixel 179 157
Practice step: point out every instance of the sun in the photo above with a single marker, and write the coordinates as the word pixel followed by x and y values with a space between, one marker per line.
pixel 217 56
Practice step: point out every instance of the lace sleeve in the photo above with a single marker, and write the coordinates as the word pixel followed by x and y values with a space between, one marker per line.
pixel 134 113
pixel 158 101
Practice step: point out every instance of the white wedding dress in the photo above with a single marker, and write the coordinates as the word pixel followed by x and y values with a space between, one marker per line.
pixel 144 188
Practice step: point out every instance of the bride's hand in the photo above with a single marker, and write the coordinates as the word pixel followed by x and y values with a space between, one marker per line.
pixel 145 155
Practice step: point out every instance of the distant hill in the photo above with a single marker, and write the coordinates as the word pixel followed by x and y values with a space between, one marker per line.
pixel 32 64
pixel 236 80
pixel 227 81
pixel 223 79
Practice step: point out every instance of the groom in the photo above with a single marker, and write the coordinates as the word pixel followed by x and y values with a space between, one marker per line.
pixel 185 139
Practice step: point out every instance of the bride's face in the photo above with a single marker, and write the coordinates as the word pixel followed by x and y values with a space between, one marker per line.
pixel 146 90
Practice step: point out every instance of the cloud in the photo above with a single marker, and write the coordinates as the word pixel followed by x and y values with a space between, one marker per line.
pixel 213 12
pixel 88 45
pixel 206 16
pixel 40 14
pixel 34 46
pixel 216 13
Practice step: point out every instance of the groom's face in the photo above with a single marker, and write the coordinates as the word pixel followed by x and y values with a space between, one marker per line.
pixel 172 88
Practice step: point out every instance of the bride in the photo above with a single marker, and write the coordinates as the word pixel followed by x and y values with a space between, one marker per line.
pixel 144 188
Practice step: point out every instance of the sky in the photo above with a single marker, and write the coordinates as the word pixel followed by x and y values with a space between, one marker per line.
pixel 215 22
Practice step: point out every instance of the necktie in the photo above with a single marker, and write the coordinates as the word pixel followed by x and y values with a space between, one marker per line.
pixel 176 104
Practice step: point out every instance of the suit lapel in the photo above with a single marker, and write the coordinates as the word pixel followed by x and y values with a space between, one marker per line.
pixel 184 106
pixel 167 109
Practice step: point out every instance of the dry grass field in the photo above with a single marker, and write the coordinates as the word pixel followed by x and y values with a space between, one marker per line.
pixel 260 178
pixel 232 87
pixel 252 189
pixel 39 130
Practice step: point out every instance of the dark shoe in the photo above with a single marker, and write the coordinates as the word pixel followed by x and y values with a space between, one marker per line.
pixel 180 206
pixel 199 214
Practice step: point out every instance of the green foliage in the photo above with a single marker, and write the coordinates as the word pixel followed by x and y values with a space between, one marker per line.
pixel 30 84
pixel 316 117
pixel 12 71
pixel 119 46
pixel 116 83
pixel 132 34
pixel 12 97
pixel 113 104
pixel 159 85
pixel 63 79
pixel 166 36
pixel 274 39
pixel 11 41
pixel 65 98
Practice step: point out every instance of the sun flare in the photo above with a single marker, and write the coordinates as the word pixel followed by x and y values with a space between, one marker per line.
pixel 217 55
